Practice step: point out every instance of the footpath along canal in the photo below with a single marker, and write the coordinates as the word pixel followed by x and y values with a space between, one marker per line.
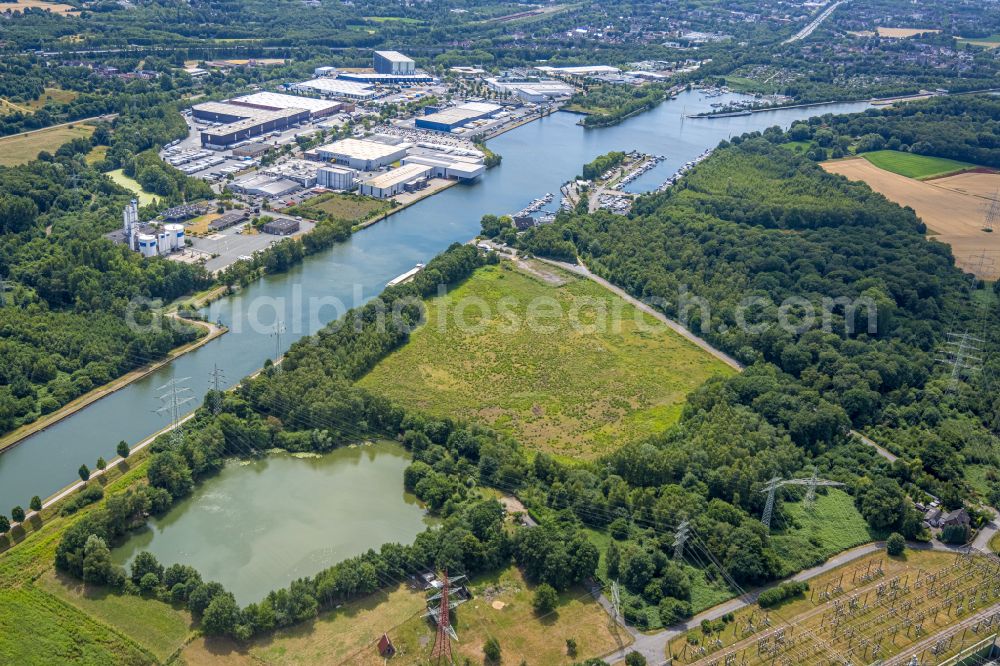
pixel 537 158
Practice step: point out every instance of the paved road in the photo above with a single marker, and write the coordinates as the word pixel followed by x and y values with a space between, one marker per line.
pixel 815 23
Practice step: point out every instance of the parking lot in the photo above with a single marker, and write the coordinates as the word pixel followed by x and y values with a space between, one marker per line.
pixel 225 247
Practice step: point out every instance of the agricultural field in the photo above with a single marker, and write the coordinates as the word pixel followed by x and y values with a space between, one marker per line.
pixel 953 208
pixel 554 359
pixel 871 609
pixel 145 198
pixel 21 148
pixel 920 167
pixel 18 6
pixel 903 33
pixel 500 607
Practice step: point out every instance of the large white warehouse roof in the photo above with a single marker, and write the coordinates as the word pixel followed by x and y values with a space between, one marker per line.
pixel 273 100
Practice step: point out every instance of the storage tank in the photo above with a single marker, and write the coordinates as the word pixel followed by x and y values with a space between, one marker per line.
pixel 147 245
pixel 175 234
pixel 163 241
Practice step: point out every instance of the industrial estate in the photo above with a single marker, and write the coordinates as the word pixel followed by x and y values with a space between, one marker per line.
pixel 590 334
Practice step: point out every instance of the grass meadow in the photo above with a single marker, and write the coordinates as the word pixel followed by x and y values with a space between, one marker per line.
pixel 915 166
pixel 558 387
pixel 21 148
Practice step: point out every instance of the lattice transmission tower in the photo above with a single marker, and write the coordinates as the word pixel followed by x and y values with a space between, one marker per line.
pixel 772 486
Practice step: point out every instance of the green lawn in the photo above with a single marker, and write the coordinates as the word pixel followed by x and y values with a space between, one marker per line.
pixel 573 390
pixel 156 626
pixel 145 198
pixel 915 166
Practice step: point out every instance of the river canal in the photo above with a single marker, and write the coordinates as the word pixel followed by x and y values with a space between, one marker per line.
pixel 537 158
pixel 258 525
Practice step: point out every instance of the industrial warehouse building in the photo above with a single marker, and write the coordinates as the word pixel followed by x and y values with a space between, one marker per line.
pixel 242 122
pixel 407 178
pixel 270 101
pixel 281 227
pixel 393 62
pixel 260 185
pixel 338 88
pixel 532 90
pixel 454 117
pixel 451 167
pixel 362 155
pixel 336 178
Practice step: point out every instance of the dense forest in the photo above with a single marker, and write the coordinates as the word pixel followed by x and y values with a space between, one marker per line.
pixel 76 310
pixel 755 237
pixel 958 128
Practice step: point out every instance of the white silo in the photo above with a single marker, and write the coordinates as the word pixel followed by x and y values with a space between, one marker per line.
pixel 147 245
pixel 162 241
pixel 175 234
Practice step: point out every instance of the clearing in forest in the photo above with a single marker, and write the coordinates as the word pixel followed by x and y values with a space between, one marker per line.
pixel 953 208
pixel 22 148
pixel 554 359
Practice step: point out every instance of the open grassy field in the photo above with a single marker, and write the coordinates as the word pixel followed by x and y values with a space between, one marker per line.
pixel 38 627
pixel 155 625
pixel 501 607
pixel 991 42
pixel 868 592
pixel 349 207
pixel 96 154
pixel 915 166
pixel 951 215
pixel 51 96
pixel 995 543
pixel 554 359
pixel 20 148
pixel 812 536
pixel 145 198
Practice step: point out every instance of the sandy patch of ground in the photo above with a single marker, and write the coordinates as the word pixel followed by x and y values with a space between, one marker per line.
pixel 954 208
pixel 903 33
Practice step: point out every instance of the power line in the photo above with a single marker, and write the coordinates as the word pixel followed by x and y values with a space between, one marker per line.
pixel 175 397
pixel 777 482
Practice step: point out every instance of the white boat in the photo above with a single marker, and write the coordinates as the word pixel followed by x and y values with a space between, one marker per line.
pixel 405 277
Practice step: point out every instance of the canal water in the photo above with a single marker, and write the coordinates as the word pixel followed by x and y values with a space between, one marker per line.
pixel 537 158
pixel 259 525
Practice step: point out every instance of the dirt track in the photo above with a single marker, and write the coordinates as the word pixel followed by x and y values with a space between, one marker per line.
pixel 954 209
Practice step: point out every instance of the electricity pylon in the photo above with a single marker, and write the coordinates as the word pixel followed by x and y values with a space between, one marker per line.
pixel 175 397
pixel 218 377
pixel 441 653
pixel 962 353
pixel 680 538
pixel 777 482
